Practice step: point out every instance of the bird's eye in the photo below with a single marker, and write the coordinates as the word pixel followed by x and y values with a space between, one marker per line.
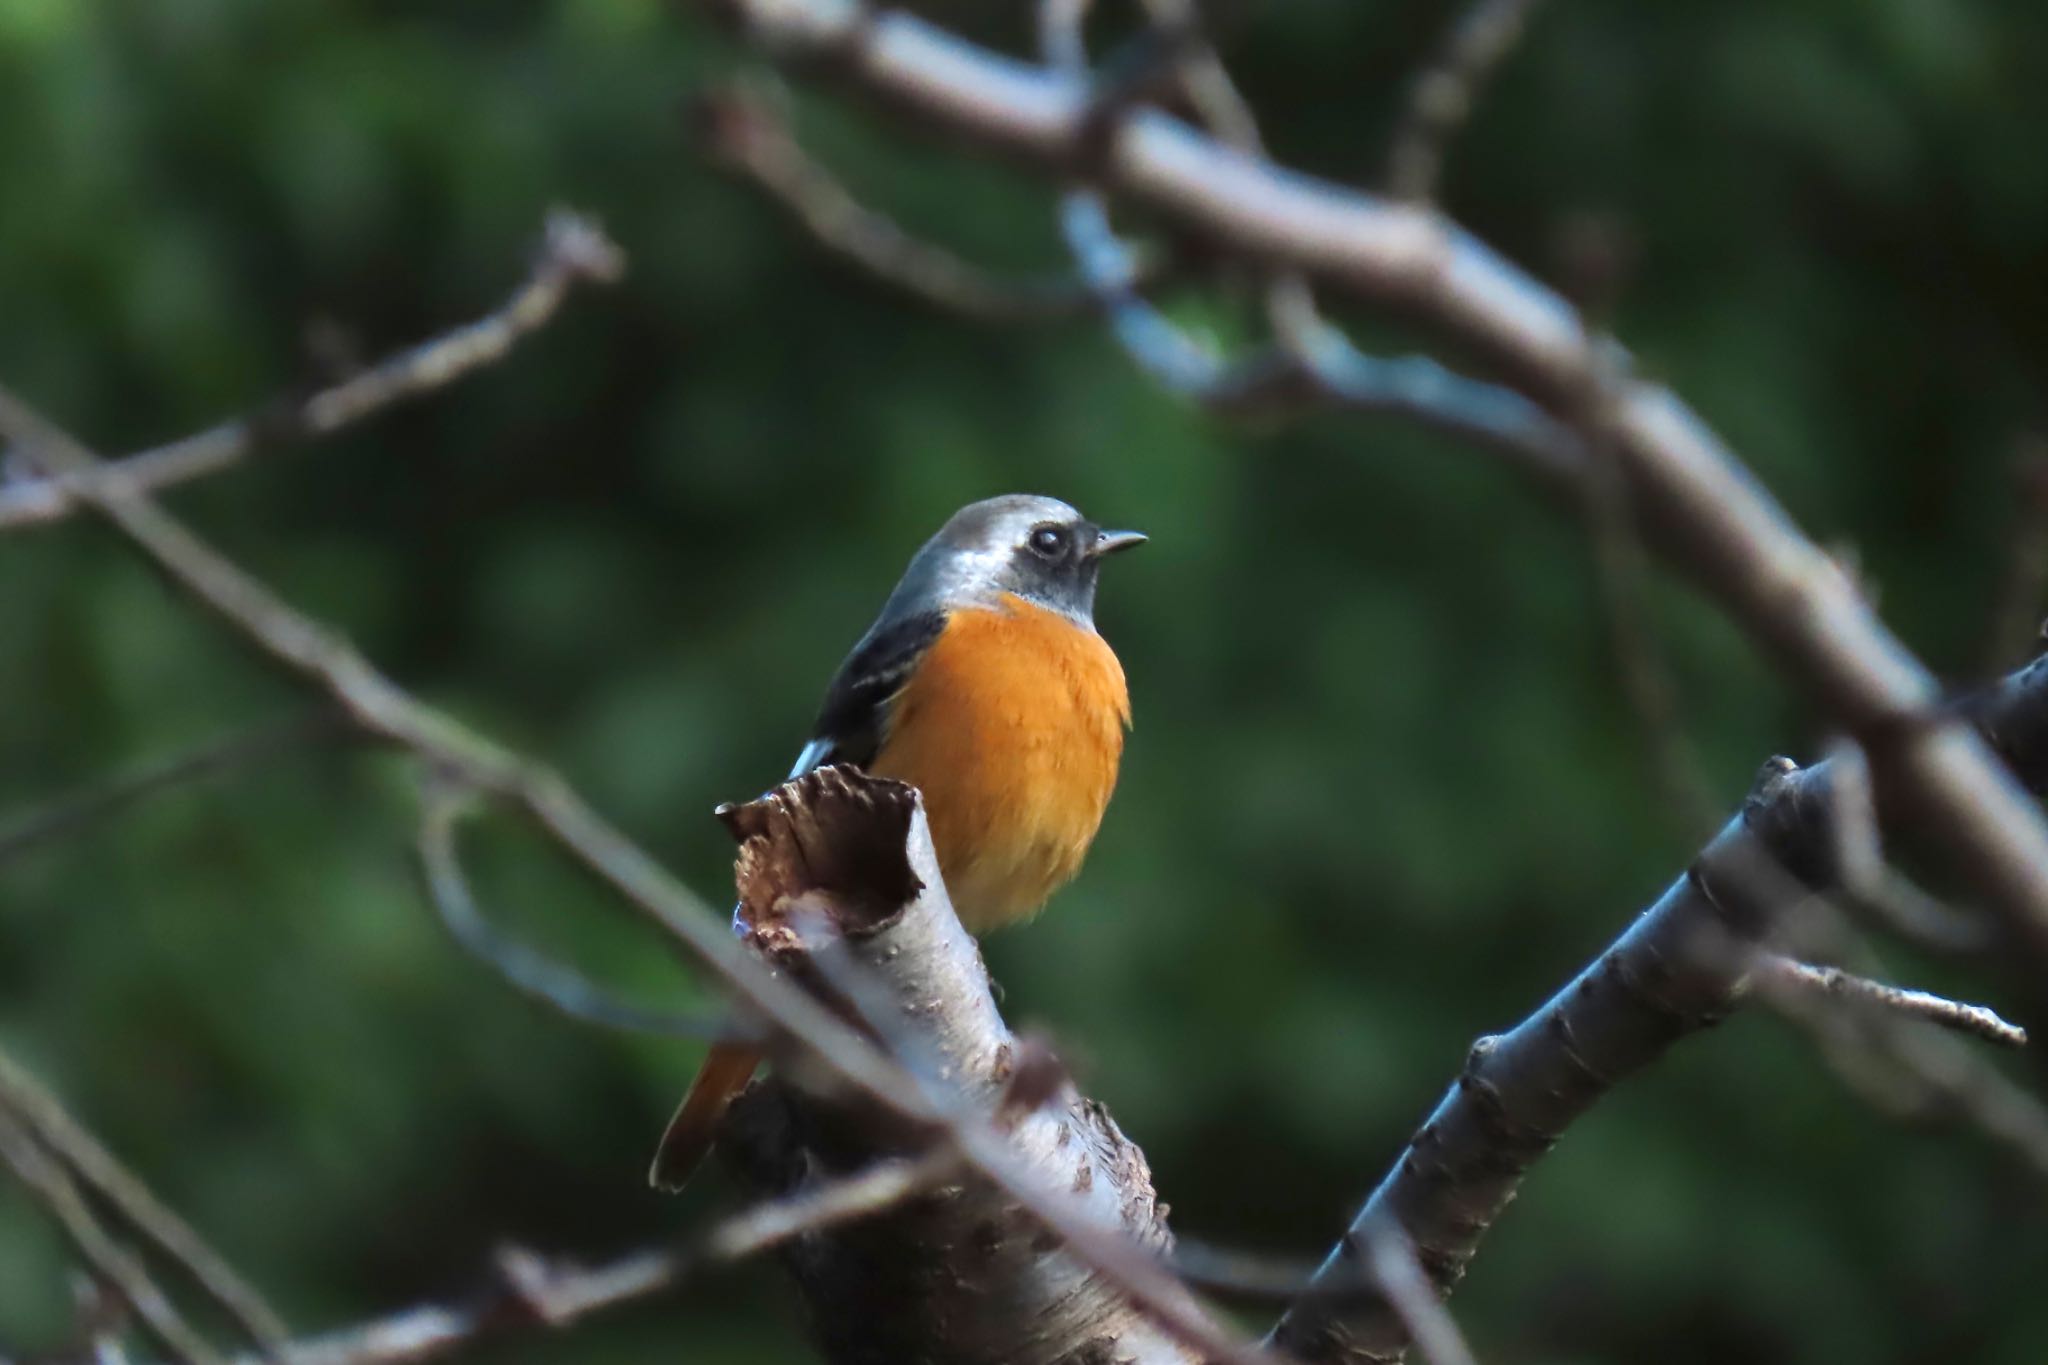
pixel 1049 542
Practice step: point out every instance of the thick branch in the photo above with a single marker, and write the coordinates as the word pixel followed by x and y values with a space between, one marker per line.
pixel 838 884
pixel 1701 506
pixel 1670 975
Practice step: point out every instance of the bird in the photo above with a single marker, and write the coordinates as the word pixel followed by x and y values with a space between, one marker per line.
pixel 984 684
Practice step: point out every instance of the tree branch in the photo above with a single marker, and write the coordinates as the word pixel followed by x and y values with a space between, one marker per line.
pixel 838 881
pixel 1670 975
pixel 744 133
pixel 1446 93
pixel 113 1264
pixel 1835 984
pixel 78 1155
pixel 1701 507
pixel 74 810
pixel 531 973
pixel 526 1291
pixel 575 251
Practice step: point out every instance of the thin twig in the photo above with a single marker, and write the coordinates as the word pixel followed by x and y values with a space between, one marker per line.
pixel 746 134
pixel 24 1099
pixel 76 809
pixel 575 251
pixel 1978 1020
pixel 532 973
pixel 1881 1040
pixel 1906 1066
pixel 1870 885
pixel 114 1264
pixel 1446 93
pixel 1621 569
pixel 1390 1257
pixel 1222 107
pixel 863 1194
pixel 527 1291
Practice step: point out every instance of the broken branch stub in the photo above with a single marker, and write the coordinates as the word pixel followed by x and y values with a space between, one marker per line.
pixel 840 887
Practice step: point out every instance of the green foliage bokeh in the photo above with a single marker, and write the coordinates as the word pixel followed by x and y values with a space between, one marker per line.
pixel 1384 793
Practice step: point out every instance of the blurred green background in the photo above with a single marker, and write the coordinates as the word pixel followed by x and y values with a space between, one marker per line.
pixel 1384 793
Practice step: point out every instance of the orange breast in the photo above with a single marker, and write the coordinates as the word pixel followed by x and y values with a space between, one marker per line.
pixel 1012 727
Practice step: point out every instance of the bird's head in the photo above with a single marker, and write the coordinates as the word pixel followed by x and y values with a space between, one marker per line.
pixel 1039 548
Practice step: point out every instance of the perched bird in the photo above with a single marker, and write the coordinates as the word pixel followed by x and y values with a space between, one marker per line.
pixel 983 684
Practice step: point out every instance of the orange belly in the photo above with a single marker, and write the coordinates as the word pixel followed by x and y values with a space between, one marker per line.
pixel 1012 727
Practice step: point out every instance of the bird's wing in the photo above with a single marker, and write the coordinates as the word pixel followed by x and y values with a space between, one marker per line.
pixel 849 730
pixel 855 713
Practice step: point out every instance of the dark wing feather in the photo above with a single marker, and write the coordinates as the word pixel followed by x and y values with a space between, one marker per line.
pixel 855 713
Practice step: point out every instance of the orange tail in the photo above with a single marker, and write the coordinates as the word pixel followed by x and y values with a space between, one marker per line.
pixel 727 1069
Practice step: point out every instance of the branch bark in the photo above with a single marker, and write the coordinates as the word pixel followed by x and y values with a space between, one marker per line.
pixel 839 884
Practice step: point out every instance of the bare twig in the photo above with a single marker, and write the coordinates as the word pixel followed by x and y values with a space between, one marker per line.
pixel 530 1291
pixel 77 809
pixel 112 1263
pixel 527 1291
pixel 1391 1258
pixel 1311 362
pixel 1445 95
pixel 1702 509
pixel 1206 82
pixel 532 973
pixel 1621 569
pixel 875 1190
pixel 576 251
pixel 1870 885
pixel 1834 983
pixel 1388 1273
pixel 1905 1065
pixel 25 1102
pixel 1203 77
pixel 745 133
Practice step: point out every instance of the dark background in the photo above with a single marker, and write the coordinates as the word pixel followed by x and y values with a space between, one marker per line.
pixel 1384 792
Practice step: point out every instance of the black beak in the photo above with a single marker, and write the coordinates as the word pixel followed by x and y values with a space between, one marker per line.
pixel 1110 542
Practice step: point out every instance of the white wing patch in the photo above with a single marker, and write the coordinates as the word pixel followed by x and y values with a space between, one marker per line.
pixel 815 754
